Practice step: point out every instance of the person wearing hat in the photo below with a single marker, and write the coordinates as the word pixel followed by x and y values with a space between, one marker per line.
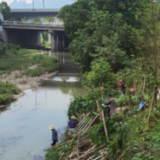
pixel 72 125
pixel 122 87
pixel 112 105
pixel 54 135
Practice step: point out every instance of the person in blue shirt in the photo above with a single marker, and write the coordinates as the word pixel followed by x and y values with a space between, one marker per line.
pixel 54 135
pixel 72 125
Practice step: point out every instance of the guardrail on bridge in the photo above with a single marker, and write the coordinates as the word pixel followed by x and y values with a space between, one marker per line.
pixel 56 23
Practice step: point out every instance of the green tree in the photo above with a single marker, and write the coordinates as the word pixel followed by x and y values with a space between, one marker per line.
pixel 5 10
pixel 100 75
pixel 95 26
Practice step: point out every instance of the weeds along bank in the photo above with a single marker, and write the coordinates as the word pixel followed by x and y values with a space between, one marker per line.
pixel 7 92
pixel 13 58
pixel 21 69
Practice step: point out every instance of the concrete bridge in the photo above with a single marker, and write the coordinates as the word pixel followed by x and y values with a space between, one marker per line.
pixel 31 13
pixel 27 35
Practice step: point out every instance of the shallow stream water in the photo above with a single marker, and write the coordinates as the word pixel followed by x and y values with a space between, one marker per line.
pixel 24 132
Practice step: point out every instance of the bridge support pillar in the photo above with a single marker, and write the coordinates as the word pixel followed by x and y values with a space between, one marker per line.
pixel 52 33
pixel 5 34
pixel 49 38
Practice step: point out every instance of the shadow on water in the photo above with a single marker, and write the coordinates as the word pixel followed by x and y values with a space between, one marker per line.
pixel 66 64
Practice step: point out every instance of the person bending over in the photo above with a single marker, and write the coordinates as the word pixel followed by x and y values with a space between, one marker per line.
pixel 72 125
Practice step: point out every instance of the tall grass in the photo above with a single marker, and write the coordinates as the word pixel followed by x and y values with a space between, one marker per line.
pixel 7 90
pixel 22 52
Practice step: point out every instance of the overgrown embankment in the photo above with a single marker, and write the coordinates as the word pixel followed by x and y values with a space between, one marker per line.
pixel 115 40
pixel 130 134
pixel 23 69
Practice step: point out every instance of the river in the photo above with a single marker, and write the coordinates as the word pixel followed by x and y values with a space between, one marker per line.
pixel 24 132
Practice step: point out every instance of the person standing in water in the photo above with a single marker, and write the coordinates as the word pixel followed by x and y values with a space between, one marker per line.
pixel 54 135
pixel 112 105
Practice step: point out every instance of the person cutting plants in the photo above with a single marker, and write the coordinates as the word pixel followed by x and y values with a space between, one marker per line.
pixel 112 105
pixel 122 87
pixel 72 125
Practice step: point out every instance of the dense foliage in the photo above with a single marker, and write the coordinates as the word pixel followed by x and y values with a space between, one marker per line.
pixel 103 29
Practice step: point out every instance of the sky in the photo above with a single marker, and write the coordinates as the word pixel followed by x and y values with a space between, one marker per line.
pixel 37 3
pixel 10 1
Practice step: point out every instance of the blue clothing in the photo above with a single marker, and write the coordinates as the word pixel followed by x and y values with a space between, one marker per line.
pixel 72 123
pixel 54 135
pixel 141 105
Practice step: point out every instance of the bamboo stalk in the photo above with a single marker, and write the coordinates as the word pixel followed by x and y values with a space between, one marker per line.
pixel 82 121
pixel 150 107
pixel 98 157
pixel 90 149
pixel 105 128
pixel 62 155
pixel 92 122
pixel 88 141
pixel 144 84
pixel 87 124
pixel 122 154
pixel 84 140
pixel 104 122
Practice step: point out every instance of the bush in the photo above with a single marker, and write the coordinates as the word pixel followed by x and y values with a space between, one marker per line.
pixel 82 104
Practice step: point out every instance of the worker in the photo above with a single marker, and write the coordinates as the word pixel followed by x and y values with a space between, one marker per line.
pixel 132 90
pixel 54 135
pixel 112 105
pixel 122 87
pixel 72 125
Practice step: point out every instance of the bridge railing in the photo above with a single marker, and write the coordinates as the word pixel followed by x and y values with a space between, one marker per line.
pixel 55 23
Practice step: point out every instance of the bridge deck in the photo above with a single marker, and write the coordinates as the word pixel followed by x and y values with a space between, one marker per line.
pixel 53 10
pixel 33 26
